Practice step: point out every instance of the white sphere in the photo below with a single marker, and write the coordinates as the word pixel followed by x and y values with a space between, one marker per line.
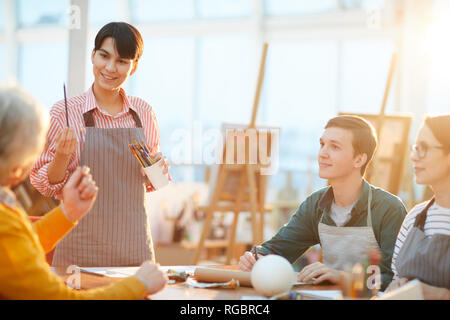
pixel 272 275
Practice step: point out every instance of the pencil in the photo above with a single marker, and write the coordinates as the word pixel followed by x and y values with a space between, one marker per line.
pixel 147 151
pixel 256 254
pixel 137 149
pixel 65 103
pixel 141 156
pixel 143 153
pixel 135 155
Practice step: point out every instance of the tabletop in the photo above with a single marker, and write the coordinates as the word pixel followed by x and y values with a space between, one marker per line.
pixel 179 290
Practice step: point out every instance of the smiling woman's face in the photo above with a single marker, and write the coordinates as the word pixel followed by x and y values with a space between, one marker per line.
pixel 434 167
pixel 110 70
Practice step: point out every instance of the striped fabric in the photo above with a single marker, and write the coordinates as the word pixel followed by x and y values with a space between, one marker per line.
pixel 116 231
pixel 438 222
pixel 77 106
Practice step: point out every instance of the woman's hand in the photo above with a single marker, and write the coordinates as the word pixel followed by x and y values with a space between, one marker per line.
pixel 164 163
pixel 320 273
pixel 66 143
pixel 79 194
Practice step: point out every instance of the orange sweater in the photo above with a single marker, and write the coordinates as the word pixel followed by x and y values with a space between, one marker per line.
pixel 24 272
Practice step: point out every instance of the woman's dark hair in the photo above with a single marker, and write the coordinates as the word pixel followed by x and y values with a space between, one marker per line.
pixel 440 126
pixel 127 39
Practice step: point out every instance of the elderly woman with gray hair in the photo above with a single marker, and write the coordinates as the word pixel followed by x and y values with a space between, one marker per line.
pixel 24 272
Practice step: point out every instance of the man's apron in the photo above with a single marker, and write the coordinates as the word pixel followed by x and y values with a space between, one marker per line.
pixel 345 246
pixel 116 231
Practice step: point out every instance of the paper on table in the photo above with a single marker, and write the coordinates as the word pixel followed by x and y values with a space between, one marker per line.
pixel 123 272
pixel 321 294
pixel 113 272
pixel 410 291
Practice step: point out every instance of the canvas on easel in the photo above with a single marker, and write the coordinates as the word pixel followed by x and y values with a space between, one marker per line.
pixel 238 181
pixel 388 164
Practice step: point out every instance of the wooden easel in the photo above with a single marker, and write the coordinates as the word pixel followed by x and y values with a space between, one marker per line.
pixel 380 119
pixel 395 161
pixel 247 189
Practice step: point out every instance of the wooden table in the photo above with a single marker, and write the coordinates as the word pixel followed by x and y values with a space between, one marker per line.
pixel 179 291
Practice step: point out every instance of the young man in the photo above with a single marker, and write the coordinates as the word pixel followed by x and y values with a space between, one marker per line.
pixel 347 218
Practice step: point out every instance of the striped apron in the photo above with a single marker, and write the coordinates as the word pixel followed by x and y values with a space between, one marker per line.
pixel 116 231
pixel 425 258
pixel 345 246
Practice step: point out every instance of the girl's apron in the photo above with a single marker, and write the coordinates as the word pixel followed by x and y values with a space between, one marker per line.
pixel 425 258
pixel 345 246
pixel 116 231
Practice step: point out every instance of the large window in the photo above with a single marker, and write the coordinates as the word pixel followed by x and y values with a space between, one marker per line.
pixel 184 10
pixel 42 47
pixel 43 70
pixel 2 16
pixel 103 11
pixel 364 72
pixel 438 53
pixel 200 67
pixel 157 11
pixel 225 80
pixel 31 13
pixel 165 78
pixel 2 63
pixel 300 95
pixel 292 7
pixel 224 8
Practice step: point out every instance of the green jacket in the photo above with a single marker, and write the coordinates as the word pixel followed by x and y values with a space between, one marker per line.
pixel 301 232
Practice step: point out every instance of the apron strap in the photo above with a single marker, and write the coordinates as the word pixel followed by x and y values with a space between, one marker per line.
pixel 422 217
pixel 369 209
pixel 89 119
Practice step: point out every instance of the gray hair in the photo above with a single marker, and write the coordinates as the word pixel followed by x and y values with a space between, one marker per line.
pixel 23 128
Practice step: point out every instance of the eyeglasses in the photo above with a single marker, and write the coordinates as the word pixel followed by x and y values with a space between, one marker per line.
pixel 421 149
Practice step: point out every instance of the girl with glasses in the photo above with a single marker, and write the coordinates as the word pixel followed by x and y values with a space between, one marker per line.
pixel 422 250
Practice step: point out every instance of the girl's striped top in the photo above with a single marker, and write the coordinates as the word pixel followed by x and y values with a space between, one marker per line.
pixel 77 106
pixel 438 222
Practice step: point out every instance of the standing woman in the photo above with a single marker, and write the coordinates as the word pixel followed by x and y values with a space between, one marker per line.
pixel 103 122
pixel 422 250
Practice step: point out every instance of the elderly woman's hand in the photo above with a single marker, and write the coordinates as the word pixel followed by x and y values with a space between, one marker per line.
pixel 79 194
pixel 154 278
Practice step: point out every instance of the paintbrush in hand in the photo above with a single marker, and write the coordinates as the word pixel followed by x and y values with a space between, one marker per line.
pixel 65 103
